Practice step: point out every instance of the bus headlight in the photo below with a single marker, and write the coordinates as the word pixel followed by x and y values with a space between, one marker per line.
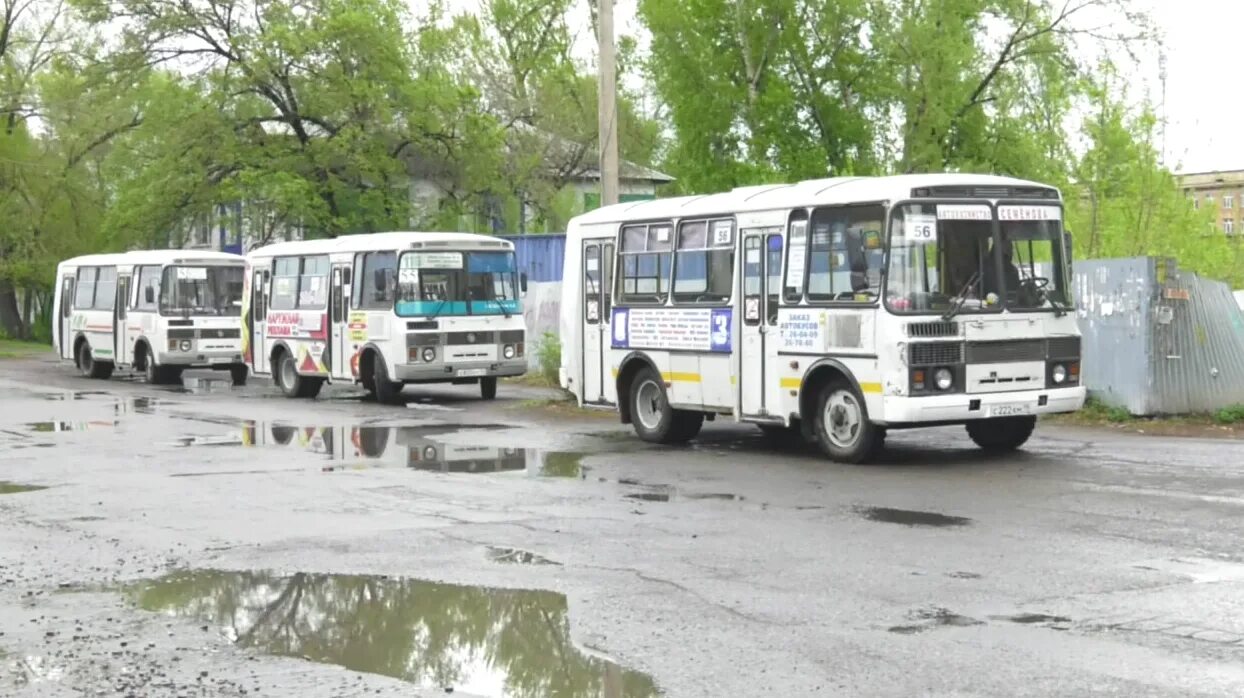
pixel 1058 374
pixel 943 379
pixel 429 354
pixel 508 352
pixel 185 345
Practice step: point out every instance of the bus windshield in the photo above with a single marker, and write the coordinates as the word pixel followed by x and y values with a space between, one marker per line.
pixel 457 283
pixel 201 290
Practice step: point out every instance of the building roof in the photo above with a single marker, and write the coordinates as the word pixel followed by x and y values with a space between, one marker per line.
pixel 781 197
pixel 1210 179
pixel 379 242
pixel 143 257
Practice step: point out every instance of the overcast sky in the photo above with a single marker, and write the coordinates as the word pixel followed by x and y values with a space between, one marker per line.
pixel 1204 106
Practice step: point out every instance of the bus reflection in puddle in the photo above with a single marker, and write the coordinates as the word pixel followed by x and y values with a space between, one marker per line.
pixel 358 447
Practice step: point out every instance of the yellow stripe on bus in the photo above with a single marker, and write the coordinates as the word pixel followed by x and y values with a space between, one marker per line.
pixel 797 382
pixel 676 377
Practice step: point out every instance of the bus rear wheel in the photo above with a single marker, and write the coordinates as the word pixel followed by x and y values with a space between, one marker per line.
pixel 89 366
pixel 238 374
pixel 292 384
pixel 655 421
pixel 488 388
pixel 841 424
pixel 1002 434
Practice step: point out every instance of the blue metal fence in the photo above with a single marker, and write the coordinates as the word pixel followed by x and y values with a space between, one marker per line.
pixel 541 256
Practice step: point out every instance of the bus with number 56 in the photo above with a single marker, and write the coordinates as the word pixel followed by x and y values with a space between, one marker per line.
pixel 831 310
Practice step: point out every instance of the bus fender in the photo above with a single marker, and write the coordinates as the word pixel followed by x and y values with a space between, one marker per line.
pixel 630 365
pixel 362 352
pixel 817 375
pixel 277 348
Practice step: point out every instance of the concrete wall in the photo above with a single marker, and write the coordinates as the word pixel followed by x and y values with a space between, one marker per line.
pixel 541 313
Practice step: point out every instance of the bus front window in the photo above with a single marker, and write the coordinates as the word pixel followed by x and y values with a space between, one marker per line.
pixel 457 283
pixel 201 290
pixel 1032 259
pixel 942 260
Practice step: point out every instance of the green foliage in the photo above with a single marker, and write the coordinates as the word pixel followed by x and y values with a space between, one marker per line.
pixel 1233 414
pixel 549 354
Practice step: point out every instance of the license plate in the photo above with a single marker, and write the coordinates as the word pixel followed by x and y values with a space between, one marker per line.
pixel 1014 409
pixel 471 372
pixel 221 360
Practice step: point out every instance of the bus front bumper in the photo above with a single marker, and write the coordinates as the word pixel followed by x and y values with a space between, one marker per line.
pixel 963 407
pixel 461 371
pixel 197 359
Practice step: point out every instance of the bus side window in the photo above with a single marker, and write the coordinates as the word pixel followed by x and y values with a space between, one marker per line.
pixel 796 257
pixel 774 271
pixel 66 297
pixel 592 284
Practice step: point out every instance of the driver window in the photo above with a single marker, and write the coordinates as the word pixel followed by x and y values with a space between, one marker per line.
pixel 844 254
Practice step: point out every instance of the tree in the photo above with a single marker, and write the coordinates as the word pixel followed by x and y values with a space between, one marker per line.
pixel 312 109
pixel 1125 203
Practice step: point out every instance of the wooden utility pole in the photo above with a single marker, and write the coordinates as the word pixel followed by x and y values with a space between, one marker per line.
pixel 608 105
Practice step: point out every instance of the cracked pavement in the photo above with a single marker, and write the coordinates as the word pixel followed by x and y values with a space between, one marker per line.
pixel 204 540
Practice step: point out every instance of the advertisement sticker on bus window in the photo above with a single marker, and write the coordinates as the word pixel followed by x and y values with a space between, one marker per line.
pixel 920 228
pixel 1030 213
pixel 753 256
pixel 437 260
pixel 407 275
pixel 722 234
pixel 662 233
pixel 593 264
pixel 192 273
pixel 963 212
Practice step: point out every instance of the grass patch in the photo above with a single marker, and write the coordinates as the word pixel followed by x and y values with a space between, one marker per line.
pixel 17 349
pixel 1230 415
pixel 564 405
pixel 1228 420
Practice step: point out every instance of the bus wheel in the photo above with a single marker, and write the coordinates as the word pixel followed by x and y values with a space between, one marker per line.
pixel 1002 434
pixel 239 374
pixel 292 384
pixel 387 392
pixel 90 367
pixel 653 418
pixel 488 388
pixel 842 427
pixel 153 372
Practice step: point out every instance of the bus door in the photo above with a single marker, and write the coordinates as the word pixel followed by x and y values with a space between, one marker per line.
pixel 259 315
pixel 759 390
pixel 338 318
pixel 122 347
pixel 597 278
pixel 65 336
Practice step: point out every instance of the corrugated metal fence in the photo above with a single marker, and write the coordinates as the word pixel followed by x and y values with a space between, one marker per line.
pixel 540 256
pixel 1158 340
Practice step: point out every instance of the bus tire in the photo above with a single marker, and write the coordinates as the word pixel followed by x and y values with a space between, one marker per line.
pixel 387 392
pixel 291 384
pixel 238 374
pixel 1002 434
pixel 89 366
pixel 488 388
pixel 841 424
pixel 653 418
pixel 155 373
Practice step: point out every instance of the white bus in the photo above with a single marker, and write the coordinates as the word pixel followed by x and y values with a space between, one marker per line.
pixel 833 309
pixel 385 309
pixel 158 311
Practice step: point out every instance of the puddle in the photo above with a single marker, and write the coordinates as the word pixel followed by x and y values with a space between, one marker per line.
pixel 518 557
pixel 664 493
pixel 202 386
pixel 1034 619
pixel 418 448
pixel 14 488
pixel 933 618
pixel 913 518
pixel 473 640
pixel 650 496
pixel 963 575
pixel 57 427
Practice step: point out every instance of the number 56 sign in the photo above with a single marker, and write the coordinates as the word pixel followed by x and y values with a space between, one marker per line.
pixel 920 228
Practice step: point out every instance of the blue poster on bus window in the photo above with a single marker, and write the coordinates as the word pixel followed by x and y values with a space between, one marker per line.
pixel 719 336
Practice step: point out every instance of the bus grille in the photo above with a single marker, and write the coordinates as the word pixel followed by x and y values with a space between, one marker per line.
pixel 218 333
pixel 1006 351
pixel 1064 347
pixel 935 353
pixel 482 337
pixel 933 329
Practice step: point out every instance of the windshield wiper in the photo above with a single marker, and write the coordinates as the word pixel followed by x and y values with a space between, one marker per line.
pixel 961 298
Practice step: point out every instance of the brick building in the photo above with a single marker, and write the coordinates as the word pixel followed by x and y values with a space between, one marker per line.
pixel 1223 190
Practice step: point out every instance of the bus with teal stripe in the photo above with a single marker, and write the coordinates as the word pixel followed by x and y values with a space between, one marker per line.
pixel 383 311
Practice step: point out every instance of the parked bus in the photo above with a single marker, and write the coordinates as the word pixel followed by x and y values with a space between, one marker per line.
pixel 831 310
pixel 157 311
pixel 383 310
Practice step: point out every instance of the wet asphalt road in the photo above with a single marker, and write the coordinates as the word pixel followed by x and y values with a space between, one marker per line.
pixel 209 541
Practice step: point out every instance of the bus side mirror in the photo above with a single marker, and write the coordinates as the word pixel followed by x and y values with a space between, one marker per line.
pixel 1067 246
pixel 522 283
pixel 149 295
pixel 380 280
